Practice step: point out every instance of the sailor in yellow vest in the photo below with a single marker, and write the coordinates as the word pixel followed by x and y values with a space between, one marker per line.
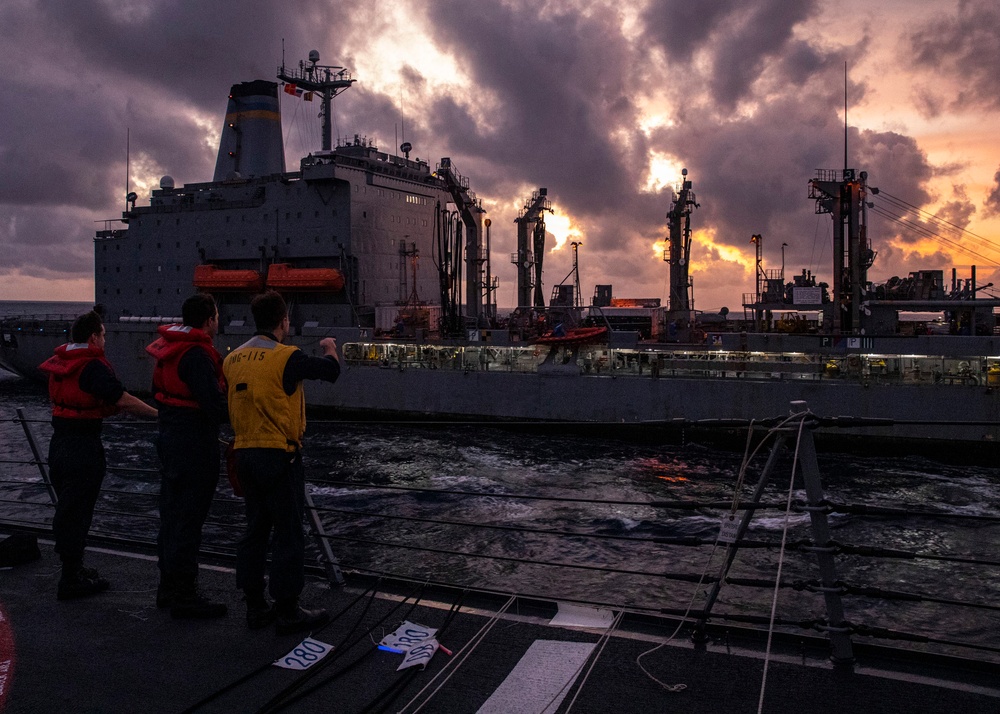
pixel 267 412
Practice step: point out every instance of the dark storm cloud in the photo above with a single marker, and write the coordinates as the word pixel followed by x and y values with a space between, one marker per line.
pixel 963 47
pixel 555 102
pixel 561 82
pixel 992 204
pixel 737 38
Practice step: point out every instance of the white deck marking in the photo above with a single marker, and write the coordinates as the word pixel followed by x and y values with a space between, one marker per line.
pixel 540 681
pixel 571 615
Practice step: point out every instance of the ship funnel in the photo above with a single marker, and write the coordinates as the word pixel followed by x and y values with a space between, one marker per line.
pixel 251 135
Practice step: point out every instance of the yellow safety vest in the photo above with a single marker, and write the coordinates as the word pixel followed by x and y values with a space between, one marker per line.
pixel 262 414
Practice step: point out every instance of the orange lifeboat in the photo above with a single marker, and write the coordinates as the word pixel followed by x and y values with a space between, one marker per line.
pixel 282 276
pixel 209 277
pixel 574 336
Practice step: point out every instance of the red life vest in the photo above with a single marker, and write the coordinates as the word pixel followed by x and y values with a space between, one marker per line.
pixel 168 349
pixel 64 368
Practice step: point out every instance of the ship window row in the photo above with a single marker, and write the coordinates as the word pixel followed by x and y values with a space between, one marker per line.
pixel 599 360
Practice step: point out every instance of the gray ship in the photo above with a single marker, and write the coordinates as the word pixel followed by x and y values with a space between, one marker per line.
pixel 393 257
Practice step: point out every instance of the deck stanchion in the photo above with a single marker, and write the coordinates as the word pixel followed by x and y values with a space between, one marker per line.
pixel 329 560
pixel 37 455
pixel 699 630
pixel 840 638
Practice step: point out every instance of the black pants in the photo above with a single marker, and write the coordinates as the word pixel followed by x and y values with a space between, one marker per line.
pixel 76 467
pixel 274 489
pixel 190 471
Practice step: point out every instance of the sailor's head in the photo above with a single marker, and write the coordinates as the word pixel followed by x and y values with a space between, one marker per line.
pixel 200 311
pixel 88 328
pixel 269 311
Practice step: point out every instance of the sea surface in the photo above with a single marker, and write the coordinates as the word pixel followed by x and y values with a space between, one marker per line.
pixel 462 504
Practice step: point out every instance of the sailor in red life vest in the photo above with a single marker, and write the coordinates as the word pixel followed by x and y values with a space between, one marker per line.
pixel 191 393
pixel 83 389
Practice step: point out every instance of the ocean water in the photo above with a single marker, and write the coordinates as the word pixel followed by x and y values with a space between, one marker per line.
pixel 361 474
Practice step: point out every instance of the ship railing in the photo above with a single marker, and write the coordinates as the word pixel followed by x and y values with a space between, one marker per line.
pixel 601 360
pixel 412 529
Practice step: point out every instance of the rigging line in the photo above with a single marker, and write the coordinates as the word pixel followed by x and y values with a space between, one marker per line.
pixel 910 224
pixel 395 689
pixel 531 497
pixel 288 695
pixel 512 529
pixel 781 562
pixel 683 577
pixel 857 591
pixel 680 623
pixel 602 643
pixel 937 218
pixel 393 692
pixel 908 220
pixel 639 609
pixel 459 658
pixel 245 678
pixel 930 234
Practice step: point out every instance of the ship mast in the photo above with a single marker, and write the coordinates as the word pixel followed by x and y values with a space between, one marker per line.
pixel 531 218
pixel 679 251
pixel 327 80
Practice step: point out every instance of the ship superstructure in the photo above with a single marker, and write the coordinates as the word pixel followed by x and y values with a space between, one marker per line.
pixel 334 236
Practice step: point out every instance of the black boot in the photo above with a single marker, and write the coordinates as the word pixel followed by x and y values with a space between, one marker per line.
pixel 78 581
pixel 292 618
pixel 260 613
pixel 165 592
pixel 189 604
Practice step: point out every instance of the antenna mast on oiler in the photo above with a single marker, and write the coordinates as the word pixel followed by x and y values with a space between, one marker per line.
pixel 328 80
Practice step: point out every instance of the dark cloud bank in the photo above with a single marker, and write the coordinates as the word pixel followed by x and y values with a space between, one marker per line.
pixel 756 111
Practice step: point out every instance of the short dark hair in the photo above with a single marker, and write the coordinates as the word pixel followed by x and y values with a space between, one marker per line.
pixel 85 326
pixel 198 309
pixel 268 309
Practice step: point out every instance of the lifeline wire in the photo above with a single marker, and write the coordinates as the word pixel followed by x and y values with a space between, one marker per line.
pixel 459 658
pixel 781 561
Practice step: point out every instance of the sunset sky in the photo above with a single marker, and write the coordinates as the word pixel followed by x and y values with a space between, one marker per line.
pixel 602 103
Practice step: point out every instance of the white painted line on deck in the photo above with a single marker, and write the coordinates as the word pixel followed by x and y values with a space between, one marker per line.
pixel 540 681
pixel 571 615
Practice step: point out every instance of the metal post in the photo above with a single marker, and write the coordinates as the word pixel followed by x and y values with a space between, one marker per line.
pixel 37 454
pixel 329 560
pixel 740 532
pixel 840 638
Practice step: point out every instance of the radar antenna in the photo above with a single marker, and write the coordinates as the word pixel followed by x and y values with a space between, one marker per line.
pixel 327 80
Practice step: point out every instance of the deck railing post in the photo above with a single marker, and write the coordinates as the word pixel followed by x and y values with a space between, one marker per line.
pixel 37 455
pixel 840 637
pixel 713 594
pixel 329 560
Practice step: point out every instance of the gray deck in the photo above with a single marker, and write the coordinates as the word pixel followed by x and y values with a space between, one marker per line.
pixel 116 652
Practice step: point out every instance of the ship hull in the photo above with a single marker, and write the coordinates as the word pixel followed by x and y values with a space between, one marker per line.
pixel 933 414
